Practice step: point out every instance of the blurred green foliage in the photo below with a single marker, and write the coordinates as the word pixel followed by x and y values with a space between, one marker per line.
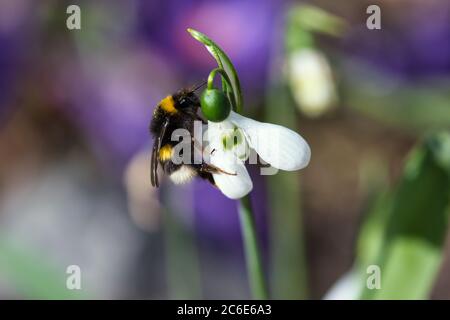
pixel 416 106
pixel 288 262
pixel 304 20
pixel 32 276
pixel 404 233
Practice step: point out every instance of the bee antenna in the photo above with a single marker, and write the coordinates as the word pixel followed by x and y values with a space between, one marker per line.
pixel 199 86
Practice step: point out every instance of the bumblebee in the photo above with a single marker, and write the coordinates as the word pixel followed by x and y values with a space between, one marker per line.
pixel 179 110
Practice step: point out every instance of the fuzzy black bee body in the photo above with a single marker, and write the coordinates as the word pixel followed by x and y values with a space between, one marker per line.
pixel 177 111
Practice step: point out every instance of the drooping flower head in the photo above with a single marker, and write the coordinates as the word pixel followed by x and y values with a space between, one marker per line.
pixel 231 137
pixel 232 140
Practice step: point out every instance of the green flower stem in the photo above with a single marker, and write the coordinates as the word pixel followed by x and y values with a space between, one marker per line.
pixel 227 84
pixel 232 87
pixel 212 74
pixel 252 251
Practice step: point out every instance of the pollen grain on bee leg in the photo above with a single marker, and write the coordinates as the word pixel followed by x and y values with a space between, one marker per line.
pixel 165 153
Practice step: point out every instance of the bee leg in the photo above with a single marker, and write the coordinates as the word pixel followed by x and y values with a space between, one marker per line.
pixel 205 167
pixel 208 177
pixel 201 119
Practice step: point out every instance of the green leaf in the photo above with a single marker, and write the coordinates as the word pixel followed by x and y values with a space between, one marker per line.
pixel 235 93
pixel 404 235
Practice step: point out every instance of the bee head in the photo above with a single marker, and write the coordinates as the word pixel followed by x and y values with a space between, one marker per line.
pixel 186 99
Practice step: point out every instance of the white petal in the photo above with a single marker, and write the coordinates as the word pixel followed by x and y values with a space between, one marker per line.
pixel 213 137
pixel 233 186
pixel 216 130
pixel 227 136
pixel 279 146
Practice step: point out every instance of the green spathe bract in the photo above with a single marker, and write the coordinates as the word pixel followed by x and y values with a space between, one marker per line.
pixel 233 89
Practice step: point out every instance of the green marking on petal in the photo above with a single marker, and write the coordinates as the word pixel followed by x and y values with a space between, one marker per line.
pixel 237 135
pixel 233 139
pixel 226 143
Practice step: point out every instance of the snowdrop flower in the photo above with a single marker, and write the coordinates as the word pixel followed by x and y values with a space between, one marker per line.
pixel 231 140
pixel 311 82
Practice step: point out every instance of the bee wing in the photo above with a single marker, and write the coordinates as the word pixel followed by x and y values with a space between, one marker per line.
pixel 155 153
pixel 154 165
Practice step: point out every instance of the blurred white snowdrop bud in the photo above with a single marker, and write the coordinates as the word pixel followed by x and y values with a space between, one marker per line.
pixel 311 81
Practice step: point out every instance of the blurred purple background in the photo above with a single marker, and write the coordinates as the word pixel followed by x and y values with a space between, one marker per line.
pixel 74 113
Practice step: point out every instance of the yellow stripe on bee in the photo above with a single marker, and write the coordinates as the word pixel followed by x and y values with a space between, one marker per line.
pixel 168 105
pixel 165 153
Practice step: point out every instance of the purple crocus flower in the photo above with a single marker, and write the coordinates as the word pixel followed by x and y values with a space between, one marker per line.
pixel 16 30
pixel 244 29
pixel 411 47
pixel 7 63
